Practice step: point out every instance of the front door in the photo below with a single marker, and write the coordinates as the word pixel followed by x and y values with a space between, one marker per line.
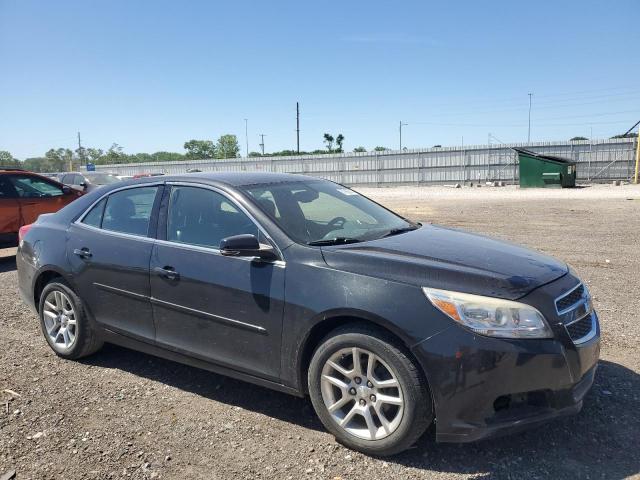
pixel 38 195
pixel 226 310
pixel 109 251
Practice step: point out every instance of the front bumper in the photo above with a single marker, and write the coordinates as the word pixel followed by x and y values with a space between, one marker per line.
pixel 484 387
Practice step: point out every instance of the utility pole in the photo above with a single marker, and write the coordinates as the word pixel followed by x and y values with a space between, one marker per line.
pixel 246 135
pixel 529 132
pixel 635 176
pixel 80 151
pixel 298 128
pixel 262 135
pixel 402 125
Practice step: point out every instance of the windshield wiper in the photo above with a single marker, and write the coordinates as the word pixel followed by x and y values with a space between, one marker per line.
pixel 396 231
pixel 333 241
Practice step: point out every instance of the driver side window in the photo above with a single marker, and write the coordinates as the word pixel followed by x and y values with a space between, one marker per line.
pixel 202 217
pixel 34 187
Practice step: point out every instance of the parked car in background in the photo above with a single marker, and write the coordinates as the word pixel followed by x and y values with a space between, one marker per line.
pixel 145 175
pixel 54 175
pixel 88 181
pixel 24 196
pixel 308 287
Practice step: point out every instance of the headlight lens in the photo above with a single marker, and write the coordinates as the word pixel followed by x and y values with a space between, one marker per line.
pixel 490 316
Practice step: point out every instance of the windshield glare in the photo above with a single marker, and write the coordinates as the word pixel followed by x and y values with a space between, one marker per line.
pixel 320 210
pixel 102 178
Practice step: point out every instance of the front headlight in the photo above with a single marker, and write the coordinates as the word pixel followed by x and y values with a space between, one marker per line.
pixel 490 316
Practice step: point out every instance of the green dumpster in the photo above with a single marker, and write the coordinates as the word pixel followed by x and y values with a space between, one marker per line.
pixel 538 170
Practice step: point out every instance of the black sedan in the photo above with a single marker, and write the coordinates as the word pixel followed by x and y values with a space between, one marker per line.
pixel 308 287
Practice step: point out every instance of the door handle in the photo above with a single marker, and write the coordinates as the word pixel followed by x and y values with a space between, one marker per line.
pixel 167 272
pixel 82 252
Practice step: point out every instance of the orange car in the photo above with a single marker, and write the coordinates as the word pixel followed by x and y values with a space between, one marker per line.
pixel 25 195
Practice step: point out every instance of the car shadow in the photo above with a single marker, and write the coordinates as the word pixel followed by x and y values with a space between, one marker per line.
pixel 7 264
pixel 210 385
pixel 599 442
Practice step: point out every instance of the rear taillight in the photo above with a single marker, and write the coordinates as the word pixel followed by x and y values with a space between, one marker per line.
pixel 23 231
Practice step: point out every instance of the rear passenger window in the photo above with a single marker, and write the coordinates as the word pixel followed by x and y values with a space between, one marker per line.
pixel 129 211
pixel 94 217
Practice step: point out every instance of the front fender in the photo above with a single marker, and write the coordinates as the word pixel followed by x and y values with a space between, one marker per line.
pixel 317 294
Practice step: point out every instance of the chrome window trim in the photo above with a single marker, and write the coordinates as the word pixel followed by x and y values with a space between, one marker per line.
pixel 115 190
pixel 215 251
pixel 186 246
pixel 234 202
pixel 114 233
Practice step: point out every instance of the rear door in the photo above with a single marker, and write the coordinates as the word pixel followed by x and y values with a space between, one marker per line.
pixel 9 212
pixel 109 250
pixel 227 310
pixel 38 195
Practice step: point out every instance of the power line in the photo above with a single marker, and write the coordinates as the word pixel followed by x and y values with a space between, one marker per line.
pixel 629 131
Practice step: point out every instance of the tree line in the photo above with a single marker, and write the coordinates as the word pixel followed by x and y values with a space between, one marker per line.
pixel 66 159
pixel 227 146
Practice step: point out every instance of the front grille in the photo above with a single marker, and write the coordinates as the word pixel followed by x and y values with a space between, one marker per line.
pixel 570 299
pixel 580 328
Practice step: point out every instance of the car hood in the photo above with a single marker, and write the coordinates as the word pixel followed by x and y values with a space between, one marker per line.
pixel 449 259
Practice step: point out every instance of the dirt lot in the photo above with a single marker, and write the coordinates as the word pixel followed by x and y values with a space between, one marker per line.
pixel 126 414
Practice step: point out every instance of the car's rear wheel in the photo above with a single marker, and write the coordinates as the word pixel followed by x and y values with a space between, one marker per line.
pixel 65 324
pixel 368 392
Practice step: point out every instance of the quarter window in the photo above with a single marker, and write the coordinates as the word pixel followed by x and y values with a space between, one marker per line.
pixel 198 216
pixel 129 211
pixel 94 217
pixel 34 187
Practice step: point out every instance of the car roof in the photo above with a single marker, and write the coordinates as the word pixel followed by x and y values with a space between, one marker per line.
pixel 234 179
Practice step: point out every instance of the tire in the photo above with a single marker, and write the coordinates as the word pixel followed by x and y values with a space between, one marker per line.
pixel 83 336
pixel 406 419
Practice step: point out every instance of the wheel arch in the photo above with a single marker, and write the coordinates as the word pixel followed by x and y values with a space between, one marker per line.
pixel 44 276
pixel 327 322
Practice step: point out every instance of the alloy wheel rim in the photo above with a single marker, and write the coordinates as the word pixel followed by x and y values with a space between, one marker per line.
pixel 60 320
pixel 362 393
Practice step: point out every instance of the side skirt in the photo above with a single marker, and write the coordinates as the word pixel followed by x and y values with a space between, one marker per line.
pixel 127 342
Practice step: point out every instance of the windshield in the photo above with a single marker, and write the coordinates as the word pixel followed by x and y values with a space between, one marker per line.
pixel 101 178
pixel 325 213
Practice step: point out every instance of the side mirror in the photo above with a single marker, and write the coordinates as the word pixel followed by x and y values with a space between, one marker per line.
pixel 66 190
pixel 83 185
pixel 246 246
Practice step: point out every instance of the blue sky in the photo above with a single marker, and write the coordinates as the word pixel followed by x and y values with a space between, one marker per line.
pixel 150 75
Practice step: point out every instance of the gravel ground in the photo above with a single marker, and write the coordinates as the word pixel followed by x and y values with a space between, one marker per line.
pixel 125 414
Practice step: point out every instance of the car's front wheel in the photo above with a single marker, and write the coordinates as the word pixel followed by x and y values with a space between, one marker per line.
pixel 65 324
pixel 368 392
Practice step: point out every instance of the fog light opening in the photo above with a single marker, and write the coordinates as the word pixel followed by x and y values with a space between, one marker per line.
pixel 502 402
